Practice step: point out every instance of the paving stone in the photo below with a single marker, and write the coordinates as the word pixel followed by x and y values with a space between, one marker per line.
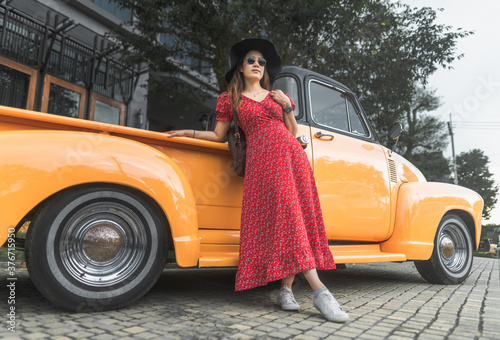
pixel 278 334
pixel 304 337
pixel 242 336
pixel 302 325
pixel 145 335
pixel 57 331
pixel 316 333
pixel 106 337
pixel 377 333
pixel 240 327
pixel 135 330
pixel 265 328
pixel 364 336
pixel 36 335
pixel 384 301
pixel 291 331
pixel 255 333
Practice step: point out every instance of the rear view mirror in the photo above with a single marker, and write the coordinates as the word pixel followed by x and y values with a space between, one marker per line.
pixel 394 133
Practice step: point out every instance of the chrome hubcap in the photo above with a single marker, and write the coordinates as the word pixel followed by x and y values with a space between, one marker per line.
pixel 102 241
pixel 452 248
pixel 447 247
pixel 102 244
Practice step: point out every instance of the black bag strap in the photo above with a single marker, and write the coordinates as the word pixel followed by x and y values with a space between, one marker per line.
pixel 235 118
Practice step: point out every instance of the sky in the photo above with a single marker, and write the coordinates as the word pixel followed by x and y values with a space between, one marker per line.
pixel 470 92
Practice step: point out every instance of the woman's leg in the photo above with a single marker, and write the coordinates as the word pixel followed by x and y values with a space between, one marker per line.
pixel 313 279
pixel 323 299
pixel 287 281
pixel 285 297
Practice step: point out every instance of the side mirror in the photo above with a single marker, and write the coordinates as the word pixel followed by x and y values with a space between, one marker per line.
pixel 394 134
pixel 395 131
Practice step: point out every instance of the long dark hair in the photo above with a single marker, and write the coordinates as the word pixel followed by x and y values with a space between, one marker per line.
pixel 237 84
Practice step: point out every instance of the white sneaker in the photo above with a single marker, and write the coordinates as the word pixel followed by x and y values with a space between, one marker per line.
pixel 329 307
pixel 286 299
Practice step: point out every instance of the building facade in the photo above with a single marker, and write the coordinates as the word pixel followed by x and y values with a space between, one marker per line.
pixel 54 58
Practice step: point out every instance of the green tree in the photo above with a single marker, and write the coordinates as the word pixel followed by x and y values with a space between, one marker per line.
pixel 167 31
pixel 423 132
pixel 434 166
pixel 425 137
pixel 473 173
pixel 383 55
pixel 379 48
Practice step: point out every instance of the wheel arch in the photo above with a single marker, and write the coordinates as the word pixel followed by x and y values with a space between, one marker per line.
pixel 469 222
pixel 452 255
pixel 420 208
pixel 153 203
pixel 74 159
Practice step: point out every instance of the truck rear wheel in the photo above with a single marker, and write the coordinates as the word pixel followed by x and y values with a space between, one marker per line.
pixel 94 249
pixel 451 259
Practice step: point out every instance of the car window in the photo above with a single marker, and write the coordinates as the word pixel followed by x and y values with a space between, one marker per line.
pixel 357 125
pixel 289 85
pixel 332 108
pixel 328 106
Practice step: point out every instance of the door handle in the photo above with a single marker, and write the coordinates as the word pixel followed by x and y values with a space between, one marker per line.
pixel 320 135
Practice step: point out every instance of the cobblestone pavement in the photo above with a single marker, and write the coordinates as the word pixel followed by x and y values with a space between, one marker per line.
pixel 388 300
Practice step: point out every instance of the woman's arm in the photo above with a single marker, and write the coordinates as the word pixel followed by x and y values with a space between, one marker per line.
pixel 291 123
pixel 217 135
pixel 289 118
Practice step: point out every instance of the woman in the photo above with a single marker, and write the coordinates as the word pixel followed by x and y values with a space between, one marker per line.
pixel 282 230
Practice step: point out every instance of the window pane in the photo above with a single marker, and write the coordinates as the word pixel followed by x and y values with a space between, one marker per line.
pixel 123 13
pixel 106 113
pixel 289 86
pixel 357 125
pixel 63 102
pixel 328 107
pixel 14 87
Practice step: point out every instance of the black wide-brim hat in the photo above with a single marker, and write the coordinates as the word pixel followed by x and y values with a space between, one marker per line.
pixel 264 46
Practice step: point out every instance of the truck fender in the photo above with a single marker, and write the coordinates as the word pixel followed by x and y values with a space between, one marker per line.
pixel 420 207
pixel 34 165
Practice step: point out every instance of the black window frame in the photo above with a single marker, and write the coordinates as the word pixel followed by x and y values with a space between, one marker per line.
pixel 299 102
pixel 349 97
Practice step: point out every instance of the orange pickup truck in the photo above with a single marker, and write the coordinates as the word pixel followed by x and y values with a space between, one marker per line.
pixel 109 205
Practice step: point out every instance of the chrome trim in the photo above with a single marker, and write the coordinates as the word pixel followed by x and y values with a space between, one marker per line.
pixel 452 248
pixel 393 173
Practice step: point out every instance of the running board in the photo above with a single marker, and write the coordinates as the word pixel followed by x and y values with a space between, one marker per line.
pixel 363 253
pixel 219 255
pixel 226 255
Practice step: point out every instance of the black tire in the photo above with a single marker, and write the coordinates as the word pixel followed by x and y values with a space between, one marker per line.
pixel 451 259
pixel 94 249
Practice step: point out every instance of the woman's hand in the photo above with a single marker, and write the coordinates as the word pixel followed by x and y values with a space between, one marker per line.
pixel 280 98
pixel 180 133
pixel 218 135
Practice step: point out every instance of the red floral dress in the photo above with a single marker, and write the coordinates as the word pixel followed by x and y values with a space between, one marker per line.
pixel 282 230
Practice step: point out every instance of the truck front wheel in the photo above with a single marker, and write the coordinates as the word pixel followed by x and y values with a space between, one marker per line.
pixel 94 249
pixel 451 259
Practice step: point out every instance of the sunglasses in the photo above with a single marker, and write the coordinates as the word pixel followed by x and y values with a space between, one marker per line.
pixel 251 61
